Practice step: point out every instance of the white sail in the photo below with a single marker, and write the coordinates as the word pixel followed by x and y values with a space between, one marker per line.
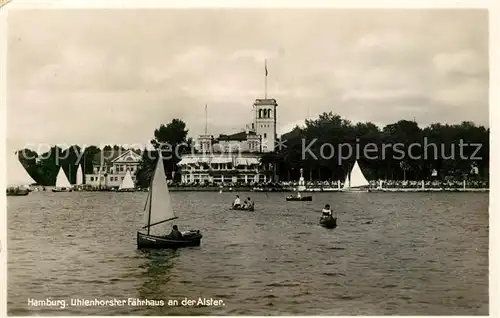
pixel 16 173
pixel 127 182
pixel 62 181
pixel 159 206
pixel 79 176
pixel 346 182
pixel 355 178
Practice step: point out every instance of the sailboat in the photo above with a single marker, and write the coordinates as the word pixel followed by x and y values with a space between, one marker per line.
pixel 62 182
pixel 158 210
pixel 79 178
pixel 355 181
pixel 18 179
pixel 127 184
pixel 300 188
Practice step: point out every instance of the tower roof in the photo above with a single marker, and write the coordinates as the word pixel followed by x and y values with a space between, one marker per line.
pixel 241 136
pixel 266 102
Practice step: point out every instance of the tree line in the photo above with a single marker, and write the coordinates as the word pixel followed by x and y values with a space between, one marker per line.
pixel 313 148
pixel 44 167
pixel 399 151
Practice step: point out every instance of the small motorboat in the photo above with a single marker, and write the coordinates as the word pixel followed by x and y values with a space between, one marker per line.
pixel 189 238
pixel 242 208
pixel 301 198
pixel 328 222
pixel 17 192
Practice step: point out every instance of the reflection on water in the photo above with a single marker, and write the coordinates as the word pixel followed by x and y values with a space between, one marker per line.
pixel 156 271
pixel 421 253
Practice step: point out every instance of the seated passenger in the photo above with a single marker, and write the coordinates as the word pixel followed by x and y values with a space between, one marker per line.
pixel 326 211
pixel 175 234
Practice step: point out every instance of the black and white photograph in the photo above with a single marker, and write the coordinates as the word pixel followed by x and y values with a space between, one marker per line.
pixel 246 161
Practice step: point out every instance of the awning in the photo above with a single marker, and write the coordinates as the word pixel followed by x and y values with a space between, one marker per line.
pixel 252 161
pixel 222 160
pixel 241 162
pixel 186 161
pixel 203 160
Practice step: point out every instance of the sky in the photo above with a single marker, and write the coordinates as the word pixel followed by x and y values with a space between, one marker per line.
pixel 113 76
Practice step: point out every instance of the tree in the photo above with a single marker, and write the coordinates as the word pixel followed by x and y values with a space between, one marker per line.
pixel 171 140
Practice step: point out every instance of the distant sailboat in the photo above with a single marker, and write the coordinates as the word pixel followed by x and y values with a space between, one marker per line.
pixel 79 179
pixel 127 183
pixel 300 188
pixel 79 176
pixel 18 179
pixel 62 182
pixel 355 181
pixel 158 210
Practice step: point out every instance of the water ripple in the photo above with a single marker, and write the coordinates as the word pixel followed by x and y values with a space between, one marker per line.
pixel 392 254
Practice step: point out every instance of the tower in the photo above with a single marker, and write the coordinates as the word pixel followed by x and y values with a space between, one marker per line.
pixel 205 141
pixel 265 123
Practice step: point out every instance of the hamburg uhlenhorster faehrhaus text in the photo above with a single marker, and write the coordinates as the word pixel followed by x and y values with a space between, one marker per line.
pixel 80 302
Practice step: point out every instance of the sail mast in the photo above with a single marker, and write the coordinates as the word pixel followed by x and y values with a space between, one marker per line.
pixel 151 193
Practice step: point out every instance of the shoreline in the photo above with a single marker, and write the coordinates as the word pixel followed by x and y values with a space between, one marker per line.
pixel 328 190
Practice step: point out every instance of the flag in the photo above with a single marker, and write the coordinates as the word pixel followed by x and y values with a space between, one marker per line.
pixel 265 66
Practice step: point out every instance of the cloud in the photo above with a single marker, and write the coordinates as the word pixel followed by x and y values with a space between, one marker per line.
pixel 467 62
pixel 84 76
pixel 376 95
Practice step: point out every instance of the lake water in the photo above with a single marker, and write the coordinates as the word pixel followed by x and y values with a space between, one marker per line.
pixel 422 254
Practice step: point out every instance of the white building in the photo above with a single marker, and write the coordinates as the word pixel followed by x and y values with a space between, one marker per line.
pixel 234 158
pixel 221 168
pixel 111 166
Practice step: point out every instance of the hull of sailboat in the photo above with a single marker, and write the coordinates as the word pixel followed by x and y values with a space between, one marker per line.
pixel 304 198
pixel 328 222
pixel 152 241
pixel 355 190
pixel 62 190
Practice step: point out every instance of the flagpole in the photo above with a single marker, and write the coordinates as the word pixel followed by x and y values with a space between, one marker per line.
pixel 206 123
pixel 265 79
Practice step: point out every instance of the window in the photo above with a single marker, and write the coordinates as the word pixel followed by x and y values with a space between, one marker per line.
pixel 91 178
pixel 265 135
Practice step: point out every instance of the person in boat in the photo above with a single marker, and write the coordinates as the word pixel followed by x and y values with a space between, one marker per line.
pixel 249 203
pixel 237 202
pixel 175 234
pixel 326 211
